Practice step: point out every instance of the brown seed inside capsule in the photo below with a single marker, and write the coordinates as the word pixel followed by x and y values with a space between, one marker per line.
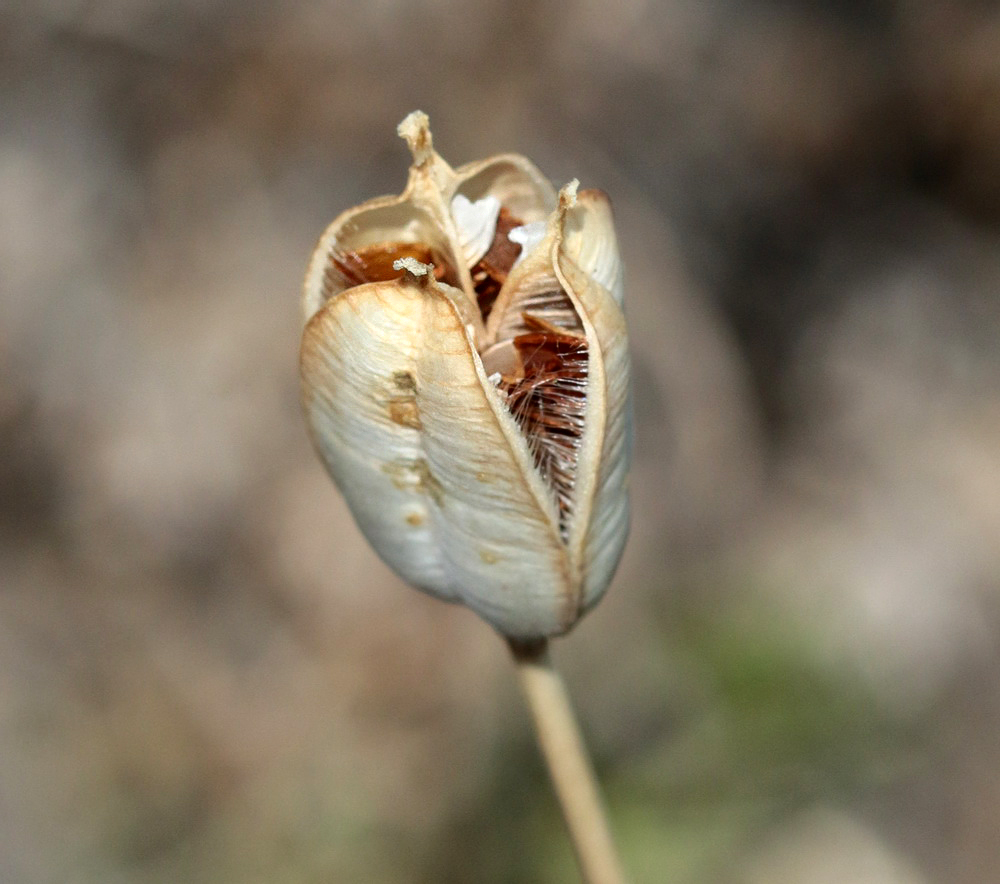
pixel 548 399
pixel 490 272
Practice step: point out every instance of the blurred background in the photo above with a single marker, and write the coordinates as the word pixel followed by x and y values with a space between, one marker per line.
pixel 207 676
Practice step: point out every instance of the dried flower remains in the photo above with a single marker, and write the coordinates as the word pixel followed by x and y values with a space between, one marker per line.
pixel 465 380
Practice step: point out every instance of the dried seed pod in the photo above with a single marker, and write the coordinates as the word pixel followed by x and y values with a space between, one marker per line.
pixel 465 379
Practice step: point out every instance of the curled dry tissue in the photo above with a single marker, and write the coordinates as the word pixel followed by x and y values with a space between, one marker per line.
pixel 465 379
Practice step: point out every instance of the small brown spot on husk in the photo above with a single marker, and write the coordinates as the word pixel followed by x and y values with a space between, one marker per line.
pixel 488 557
pixel 404 412
pixel 404 381
pixel 414 475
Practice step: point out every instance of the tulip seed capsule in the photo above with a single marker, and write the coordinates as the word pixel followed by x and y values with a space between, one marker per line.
pixel 464 373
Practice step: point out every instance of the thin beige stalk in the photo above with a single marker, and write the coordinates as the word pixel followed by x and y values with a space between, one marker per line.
pixel 569 764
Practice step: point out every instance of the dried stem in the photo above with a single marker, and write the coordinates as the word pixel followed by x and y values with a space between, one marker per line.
pixel 568 762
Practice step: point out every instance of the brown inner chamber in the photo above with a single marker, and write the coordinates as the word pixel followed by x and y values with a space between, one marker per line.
pixel 374 263
pixel 490 272
pixel 549 404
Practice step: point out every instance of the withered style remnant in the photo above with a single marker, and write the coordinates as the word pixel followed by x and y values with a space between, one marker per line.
pixel 496 474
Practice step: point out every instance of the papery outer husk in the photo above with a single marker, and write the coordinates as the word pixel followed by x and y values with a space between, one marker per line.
pixel 584 262
pixel 455 507
pixel 512 179
pixel 488 532
pixel 589 240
